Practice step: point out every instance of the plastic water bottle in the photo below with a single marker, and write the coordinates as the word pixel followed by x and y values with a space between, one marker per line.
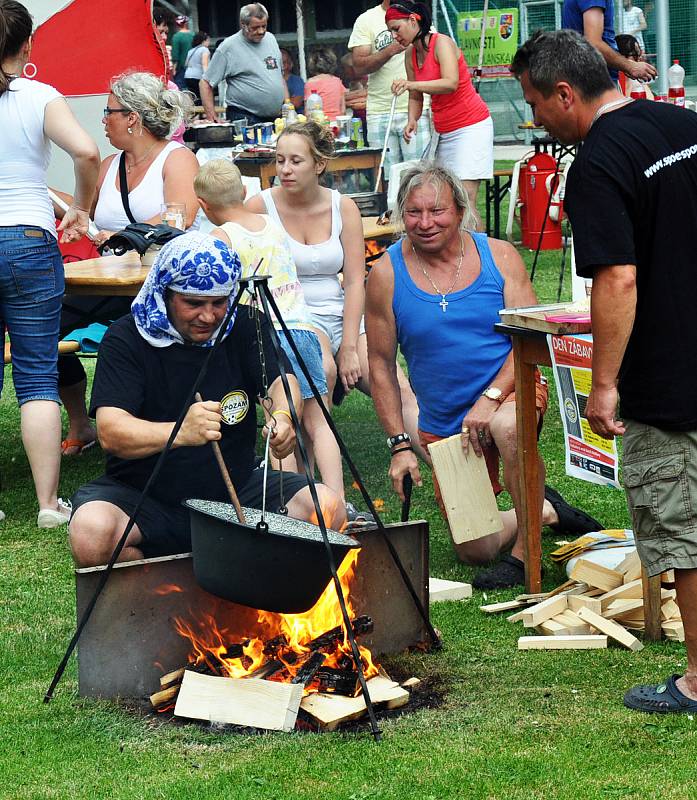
pixel 286 108
pixel 676 84
pixel 314 108
pixel 636 89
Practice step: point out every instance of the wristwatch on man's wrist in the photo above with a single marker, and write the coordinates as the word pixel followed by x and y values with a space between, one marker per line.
pixel 493 393
pixel 399 438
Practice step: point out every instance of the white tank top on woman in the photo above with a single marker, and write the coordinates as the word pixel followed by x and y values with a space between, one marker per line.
pixel 145 200
pixel 318 265
pixel 25 152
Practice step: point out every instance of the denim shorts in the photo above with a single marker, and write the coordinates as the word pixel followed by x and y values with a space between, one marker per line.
pixel 309 347
pixel 165 527
pixel 660 479
pixel 332 326
pixel 31 288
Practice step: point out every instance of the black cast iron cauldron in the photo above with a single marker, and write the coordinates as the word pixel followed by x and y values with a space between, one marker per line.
pixel 284 569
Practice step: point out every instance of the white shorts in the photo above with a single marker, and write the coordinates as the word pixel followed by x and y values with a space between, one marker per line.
pixel 468 152
pixel 332 326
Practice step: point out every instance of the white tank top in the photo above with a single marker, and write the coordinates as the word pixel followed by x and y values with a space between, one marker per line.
pixel 25 152
pixel 145 200
pixel 318 265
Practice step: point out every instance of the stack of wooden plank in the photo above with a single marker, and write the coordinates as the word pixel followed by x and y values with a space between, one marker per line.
pixel 595 605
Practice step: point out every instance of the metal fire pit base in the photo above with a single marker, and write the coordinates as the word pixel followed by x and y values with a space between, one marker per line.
pixel 130 640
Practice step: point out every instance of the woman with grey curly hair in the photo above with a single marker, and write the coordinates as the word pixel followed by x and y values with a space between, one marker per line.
pixel 140 114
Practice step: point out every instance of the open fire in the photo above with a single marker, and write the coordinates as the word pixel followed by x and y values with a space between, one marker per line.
pixel 279 647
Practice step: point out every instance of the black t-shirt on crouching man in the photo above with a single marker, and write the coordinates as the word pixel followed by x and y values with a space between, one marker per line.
pixel 631 196
pixel 152 383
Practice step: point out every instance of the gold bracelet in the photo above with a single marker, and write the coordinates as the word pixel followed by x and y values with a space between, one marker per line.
pixel 283 411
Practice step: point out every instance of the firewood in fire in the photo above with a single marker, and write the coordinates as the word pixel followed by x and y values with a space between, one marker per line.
pixel 307 671
pixel 360 625
pixel 272 647
pixel 165 696
pixel 171 678
pixel 235 650
pixel 338 681
pixel 267 669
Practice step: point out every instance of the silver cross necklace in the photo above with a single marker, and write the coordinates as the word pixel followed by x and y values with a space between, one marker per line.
pixel 443 302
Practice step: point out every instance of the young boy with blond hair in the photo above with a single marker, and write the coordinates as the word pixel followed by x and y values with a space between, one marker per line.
pixel 221 193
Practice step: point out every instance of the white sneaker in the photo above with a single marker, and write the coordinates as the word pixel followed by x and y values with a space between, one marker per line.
pixel 53 518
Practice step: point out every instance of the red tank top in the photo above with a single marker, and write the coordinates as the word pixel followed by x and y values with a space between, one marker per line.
pixel 456 109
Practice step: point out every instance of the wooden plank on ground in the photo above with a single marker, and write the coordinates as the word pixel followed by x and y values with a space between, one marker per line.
pixel 468 498
pixel 250 702
pixel 674 630
pixel 611 629
pixel 670 610
pixel 596 575
pixel 590 642
pixel 627 591
pixel 624 608
pixel 330 710
pixel 575 626
pixel 581 601
pixel 439 589
pixel 552 627
pixel 630 567
pixel 535 615
pixel 506 605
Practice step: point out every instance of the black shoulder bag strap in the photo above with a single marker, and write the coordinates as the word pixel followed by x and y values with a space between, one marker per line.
pixel 123 185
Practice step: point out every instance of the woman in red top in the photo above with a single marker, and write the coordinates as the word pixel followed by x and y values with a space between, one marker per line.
pixel 464 141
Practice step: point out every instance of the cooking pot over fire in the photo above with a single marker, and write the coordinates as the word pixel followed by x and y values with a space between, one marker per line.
pixel 281 566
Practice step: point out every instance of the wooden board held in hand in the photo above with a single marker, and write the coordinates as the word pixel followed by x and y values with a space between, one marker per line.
pixel 466 489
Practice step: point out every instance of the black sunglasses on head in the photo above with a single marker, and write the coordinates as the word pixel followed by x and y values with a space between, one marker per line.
pixel 108 111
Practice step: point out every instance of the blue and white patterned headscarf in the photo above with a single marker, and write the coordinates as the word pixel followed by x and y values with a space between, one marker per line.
pixel 193 263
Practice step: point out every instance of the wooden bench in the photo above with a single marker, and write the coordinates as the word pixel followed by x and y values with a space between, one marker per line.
pixel 496 189
pixel 63 349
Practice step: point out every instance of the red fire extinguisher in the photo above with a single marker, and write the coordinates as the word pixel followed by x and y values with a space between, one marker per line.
pixel 538 180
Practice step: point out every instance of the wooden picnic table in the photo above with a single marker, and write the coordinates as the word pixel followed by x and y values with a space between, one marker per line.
pixel 124 275
pixel 528 335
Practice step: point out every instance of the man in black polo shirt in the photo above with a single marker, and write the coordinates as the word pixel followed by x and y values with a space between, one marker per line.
pixel 631 196
pixel 147 364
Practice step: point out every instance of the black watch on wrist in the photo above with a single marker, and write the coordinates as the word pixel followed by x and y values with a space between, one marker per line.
pixel 399 438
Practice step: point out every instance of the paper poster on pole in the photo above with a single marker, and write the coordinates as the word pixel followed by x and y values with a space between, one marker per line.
pixel 588 456
pixel 500 40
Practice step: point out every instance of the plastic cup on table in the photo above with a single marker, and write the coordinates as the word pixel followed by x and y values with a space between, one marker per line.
pixel 173 214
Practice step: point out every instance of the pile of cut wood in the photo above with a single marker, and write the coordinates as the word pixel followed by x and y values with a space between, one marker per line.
pixel 595 605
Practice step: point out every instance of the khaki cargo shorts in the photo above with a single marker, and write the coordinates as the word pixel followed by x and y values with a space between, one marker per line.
pixel 660 479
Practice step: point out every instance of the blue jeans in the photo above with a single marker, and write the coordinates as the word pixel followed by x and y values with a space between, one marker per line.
pixel 31 289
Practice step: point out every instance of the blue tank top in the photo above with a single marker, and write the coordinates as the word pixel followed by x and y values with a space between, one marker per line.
pixel 452 356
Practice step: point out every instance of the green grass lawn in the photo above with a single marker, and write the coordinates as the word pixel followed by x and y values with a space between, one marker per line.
pixel 512 725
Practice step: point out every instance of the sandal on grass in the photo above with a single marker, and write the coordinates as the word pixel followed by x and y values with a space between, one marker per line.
pixel 571 520
pixel 80 444
pixel 356 518
pixel 509 571
pixel 665 698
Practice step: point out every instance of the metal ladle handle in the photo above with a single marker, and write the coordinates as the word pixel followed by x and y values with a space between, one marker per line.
pixel 225 474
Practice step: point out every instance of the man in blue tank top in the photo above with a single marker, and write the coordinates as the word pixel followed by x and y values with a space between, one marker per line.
pixel 437 294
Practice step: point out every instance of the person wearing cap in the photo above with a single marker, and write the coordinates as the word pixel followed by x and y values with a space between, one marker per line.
pixel 376 54
pixel 148 362
pixel 181 44
pixel 250 63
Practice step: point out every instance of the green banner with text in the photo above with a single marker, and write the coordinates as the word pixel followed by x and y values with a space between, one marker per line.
pixel 500 40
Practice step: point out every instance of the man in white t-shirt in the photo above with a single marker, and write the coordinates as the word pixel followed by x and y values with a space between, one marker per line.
pixel 634 22
pixel 378 56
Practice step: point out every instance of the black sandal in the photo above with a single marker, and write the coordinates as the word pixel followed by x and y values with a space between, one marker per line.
pixel 571 520
pixel 665 698
pixel 508 572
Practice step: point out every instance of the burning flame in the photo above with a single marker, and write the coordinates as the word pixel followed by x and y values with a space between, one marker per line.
pixel 282 637
pixel 278 645
pixel 373 247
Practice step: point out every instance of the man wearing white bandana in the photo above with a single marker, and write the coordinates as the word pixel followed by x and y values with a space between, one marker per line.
pixel 147 364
